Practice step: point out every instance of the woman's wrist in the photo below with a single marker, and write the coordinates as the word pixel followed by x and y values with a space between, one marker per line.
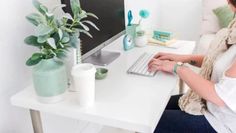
pixel 176 66
pixel 181 69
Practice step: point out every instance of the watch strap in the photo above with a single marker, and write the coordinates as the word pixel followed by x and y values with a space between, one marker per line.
pixel 176 66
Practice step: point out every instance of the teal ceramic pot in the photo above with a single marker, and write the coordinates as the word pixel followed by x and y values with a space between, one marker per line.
pixel 50 80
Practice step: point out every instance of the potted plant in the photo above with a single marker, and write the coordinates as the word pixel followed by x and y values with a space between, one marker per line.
pixel 141 38
pixel 131 28
pixel 53 37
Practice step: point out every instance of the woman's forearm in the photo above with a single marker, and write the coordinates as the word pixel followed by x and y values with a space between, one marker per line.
pixel 195 60
pixel 202 87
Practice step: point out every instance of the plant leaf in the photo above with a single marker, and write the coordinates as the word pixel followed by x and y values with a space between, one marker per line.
pixel 60 33
pixel 43 30
pixel 36 56
pixel 84 26
pixel 48 53
pixel 82 14
pixel 65 34
pixel 67 30
pixel 42 39
pixel 49 14
pixel 30 62
pixel 32 40
pixel 91 23
pixel 35 19
pixel 91 15
pixel 60 53
pixel 68 16
pixel 41 8
pixel 65 40
pixel 59 23
pixel 62 46
pixel 52 52
pixel 66 37
pixel 52 43
pixel 73 41
pixel 75 7
pixel 86 33
pixel 34 59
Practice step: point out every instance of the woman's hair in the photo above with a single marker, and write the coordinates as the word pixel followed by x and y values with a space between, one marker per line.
pixel 233 2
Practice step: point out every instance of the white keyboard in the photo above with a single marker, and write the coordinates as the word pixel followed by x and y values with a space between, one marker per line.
pixel 140 67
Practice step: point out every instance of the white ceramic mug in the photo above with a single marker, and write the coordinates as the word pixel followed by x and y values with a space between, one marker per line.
pixel 141 41
pixel 84 83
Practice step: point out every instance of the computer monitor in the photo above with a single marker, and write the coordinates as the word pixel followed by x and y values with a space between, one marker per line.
pixel 111 23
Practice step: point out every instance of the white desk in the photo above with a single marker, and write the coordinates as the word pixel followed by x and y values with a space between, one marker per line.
pixel 124 101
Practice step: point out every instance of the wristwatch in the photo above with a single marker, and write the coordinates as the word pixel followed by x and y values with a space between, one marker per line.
pixel 176 66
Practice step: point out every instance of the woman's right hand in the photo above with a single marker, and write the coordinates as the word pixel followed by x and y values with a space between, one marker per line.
pixel 171 57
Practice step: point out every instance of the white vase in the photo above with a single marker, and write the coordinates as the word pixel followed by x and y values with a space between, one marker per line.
pixel 141 41
pixel 84 83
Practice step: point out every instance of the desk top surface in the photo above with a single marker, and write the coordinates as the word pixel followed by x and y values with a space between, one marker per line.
pixel 124 101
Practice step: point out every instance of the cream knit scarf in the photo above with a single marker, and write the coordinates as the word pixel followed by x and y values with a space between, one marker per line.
pixel 191 102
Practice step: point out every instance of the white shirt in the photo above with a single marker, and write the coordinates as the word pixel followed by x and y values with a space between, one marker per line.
pixel 223 119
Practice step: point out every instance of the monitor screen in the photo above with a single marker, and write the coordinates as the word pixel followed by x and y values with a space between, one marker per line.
pixel 111 21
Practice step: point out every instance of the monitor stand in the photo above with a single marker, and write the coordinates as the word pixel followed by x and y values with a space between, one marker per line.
pixel 102 58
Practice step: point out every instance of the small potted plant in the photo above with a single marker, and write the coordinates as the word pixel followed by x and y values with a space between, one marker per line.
pixel 141 38
pixel 132 28
pixel 53 37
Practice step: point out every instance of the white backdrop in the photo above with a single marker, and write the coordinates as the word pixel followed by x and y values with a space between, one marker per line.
pixel 179 16
pixel 182 17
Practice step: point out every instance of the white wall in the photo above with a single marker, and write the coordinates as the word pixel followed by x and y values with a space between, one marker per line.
pixel 183 17
pixel 153 6
pixel 14 75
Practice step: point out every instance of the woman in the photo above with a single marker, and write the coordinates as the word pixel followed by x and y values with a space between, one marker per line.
pixel 210 105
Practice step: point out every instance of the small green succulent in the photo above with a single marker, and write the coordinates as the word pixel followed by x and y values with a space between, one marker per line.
pixel 55 35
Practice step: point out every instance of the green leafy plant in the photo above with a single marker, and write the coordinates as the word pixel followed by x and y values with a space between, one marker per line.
pixel 55 35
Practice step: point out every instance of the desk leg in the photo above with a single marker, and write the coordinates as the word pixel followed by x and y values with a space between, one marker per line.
pixel 36 121
pixel 181 86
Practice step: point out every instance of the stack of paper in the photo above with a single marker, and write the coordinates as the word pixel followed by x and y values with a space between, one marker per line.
pixel 157 42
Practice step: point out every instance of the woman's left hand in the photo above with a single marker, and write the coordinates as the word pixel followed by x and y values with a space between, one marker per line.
pixel 161 65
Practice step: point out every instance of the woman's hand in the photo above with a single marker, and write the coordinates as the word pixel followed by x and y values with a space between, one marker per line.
pixel 171 57
pixel 161 65
pixel 195 60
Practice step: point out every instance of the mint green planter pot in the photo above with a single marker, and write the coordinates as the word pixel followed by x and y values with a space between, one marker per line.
pixel 50 80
